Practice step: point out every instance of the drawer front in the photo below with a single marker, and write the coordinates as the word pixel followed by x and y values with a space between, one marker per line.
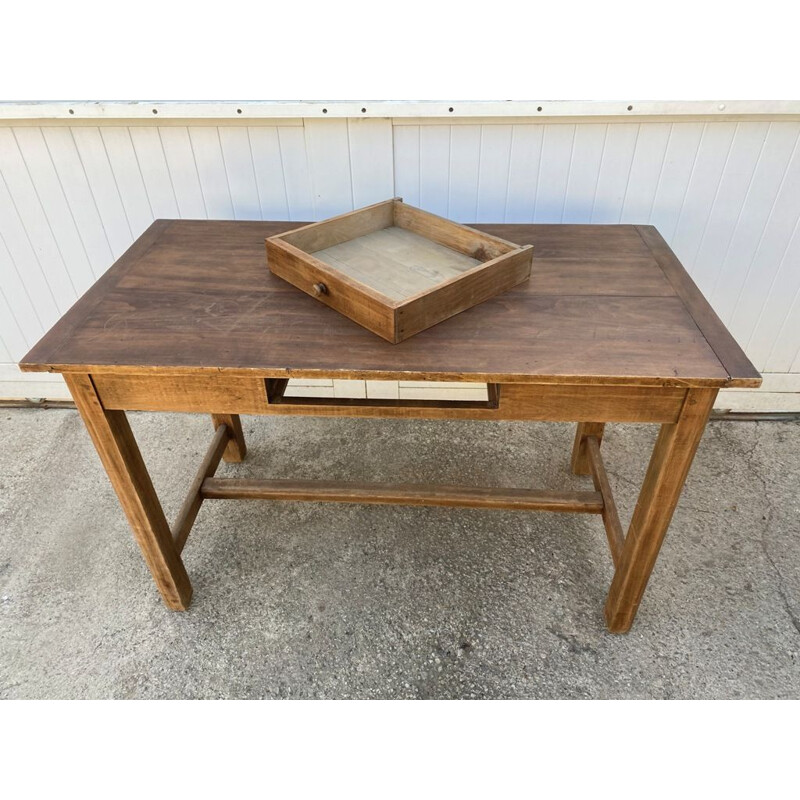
pixel 340 293
pixel 210 394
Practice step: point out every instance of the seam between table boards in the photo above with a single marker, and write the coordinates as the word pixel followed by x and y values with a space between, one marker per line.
pixel 93 305
pixel 683 302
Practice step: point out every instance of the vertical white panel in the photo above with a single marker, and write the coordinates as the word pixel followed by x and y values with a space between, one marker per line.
pixel 648 160
pixel 752 219
pixel 128 177
pixel 776 338
pixel 296 172
pixel 95 162
pixel 328 151
pixel 59 214
pixel 554 168
pixel 184 177
pixel 155 173
pixel 615 168
pixel 748 142
pixel 684 141
pixel 240 173
pixel 371 156
pixel 523 172
pixel 495 158
pixel 712 155
pixel 406 163
pixel 465 151
pixel 34 221
pixel 587 153
pixel 795 315
pixel 211 171
pixel 434 168
pixel 21 327
pixel 383 390
pixel 23 273
pixel 72 178
pixel 11 339
pixel 769 276
pixel 8 320
pixel 268 168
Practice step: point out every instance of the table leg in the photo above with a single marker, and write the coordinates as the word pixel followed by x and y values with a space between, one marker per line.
pixel 580 462
pixel 669 465
pixel 117 448
pixel 236 449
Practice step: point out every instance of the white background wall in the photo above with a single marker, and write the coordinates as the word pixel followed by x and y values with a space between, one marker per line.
pixel 724 194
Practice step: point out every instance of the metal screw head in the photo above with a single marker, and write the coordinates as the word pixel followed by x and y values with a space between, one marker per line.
pixel 320 289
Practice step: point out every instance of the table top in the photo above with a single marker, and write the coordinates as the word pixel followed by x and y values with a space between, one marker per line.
pixel 604 304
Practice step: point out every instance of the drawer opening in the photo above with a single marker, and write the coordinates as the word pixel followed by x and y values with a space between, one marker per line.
pixel 279 392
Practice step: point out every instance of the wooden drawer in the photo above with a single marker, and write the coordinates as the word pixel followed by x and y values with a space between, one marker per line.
pixel 395 269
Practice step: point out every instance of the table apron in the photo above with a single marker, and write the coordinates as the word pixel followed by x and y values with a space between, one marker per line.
pixel 221 394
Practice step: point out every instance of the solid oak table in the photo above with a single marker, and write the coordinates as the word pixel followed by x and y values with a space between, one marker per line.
pixel 610 328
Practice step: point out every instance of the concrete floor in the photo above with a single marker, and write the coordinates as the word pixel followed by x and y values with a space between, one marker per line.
pixel 336 601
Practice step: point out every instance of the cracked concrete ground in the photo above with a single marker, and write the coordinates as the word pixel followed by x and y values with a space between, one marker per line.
pixel 346 601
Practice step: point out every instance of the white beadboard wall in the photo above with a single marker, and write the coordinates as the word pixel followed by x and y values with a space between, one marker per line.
pixel 724 194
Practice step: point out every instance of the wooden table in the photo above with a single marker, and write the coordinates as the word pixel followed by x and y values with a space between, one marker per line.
pixel 610 328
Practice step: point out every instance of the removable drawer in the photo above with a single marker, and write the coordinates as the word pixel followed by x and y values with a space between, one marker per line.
pixel 395 269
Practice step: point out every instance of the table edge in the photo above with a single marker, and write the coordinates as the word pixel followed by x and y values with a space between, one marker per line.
pixel 55 338
pixel 388 375
pixel 741 371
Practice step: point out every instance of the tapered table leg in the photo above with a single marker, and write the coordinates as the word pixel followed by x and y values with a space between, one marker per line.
pixel 236 449
pixel 580 462
pixel 113 439
pixel 669 465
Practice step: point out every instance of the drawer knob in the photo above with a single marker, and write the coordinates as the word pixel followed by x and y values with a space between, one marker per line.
pixel 320 289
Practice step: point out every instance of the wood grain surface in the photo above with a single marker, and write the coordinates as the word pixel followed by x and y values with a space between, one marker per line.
pixel 396 262
pixel 666 474
pixel 398 279
pixel 117 448
pixel 604 304
pixel 402 494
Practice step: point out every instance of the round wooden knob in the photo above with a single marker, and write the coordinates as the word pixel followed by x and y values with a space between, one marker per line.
pixel 320 288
